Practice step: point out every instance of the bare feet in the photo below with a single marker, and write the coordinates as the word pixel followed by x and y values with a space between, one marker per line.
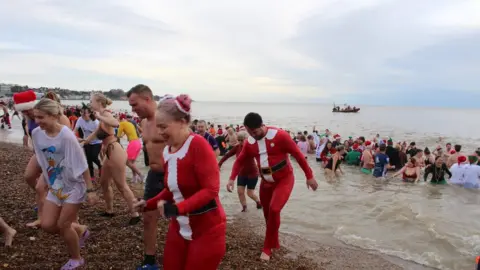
pixel 9 234
pixel 34 225
pixel 264 257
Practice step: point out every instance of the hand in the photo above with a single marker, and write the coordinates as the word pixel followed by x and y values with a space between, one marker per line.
pixel 82 144
pixel 138 205
pixel 160 208
pixel 92 198
pixel 97 114
pixel 230 185
pixel 312 183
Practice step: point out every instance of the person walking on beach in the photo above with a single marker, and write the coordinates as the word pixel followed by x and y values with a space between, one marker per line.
pixel 134 146
pixel 197 230
pixel 65 171
pixel 86 125
pixel 270 147
pixel 248 175
pixel 24 102
pixel 8 232
pixel 140 98
pixel 113 166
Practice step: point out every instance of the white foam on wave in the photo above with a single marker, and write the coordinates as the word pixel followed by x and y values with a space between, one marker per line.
pixel 425 258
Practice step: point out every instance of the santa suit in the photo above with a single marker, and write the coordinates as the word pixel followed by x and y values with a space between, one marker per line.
pixel 276 187
pixel 196 237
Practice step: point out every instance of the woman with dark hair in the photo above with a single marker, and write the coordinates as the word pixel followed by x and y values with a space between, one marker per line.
pixel 85 126
pixel 438 170
pixel 333 163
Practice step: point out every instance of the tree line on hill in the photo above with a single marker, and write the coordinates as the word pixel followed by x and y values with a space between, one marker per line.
pixel 113 94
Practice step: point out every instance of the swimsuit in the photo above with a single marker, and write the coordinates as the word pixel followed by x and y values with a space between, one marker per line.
pixel 409 178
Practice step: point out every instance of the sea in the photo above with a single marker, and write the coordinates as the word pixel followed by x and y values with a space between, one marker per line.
pixel 434 226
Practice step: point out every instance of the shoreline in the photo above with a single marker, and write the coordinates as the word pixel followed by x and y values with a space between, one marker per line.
pixel 108 245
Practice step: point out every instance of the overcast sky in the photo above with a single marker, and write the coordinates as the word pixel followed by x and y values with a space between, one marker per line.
pixel 402 52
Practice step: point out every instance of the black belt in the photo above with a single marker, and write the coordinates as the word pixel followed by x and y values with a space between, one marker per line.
pixel 209 206
pixel 274 168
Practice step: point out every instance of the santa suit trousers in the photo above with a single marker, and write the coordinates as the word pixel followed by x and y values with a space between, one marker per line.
pixel 204 252
pixel 273 197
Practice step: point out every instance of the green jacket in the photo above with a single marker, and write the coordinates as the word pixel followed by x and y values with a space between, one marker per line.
pixel 353 158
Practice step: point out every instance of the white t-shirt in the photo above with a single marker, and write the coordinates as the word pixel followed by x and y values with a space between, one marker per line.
pixel 61 158
pixel 458 173
pixel 320 147
pixel 472 176
pixel 88 127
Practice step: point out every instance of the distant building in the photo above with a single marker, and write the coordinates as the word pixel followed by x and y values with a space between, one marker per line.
pixel 5 89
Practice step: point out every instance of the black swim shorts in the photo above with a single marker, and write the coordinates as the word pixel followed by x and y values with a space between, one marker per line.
pixel 153 184
pixel 244 181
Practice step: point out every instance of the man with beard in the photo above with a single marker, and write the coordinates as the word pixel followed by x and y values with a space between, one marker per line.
pixel 271 148
pixel 141 99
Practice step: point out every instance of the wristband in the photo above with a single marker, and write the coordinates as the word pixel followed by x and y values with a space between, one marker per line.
pixel 89 190
pixel 170 210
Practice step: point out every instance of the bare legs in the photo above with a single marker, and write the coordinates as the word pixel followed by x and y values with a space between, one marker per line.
pixel 61 219
pixel 34 179
pixel 8 232
pixel 136 173
pixel 114 168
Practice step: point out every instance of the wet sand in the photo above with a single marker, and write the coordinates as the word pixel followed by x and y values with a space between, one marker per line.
pixel 115 246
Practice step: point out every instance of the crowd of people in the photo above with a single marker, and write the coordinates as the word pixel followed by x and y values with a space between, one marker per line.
pixel 182 184
pixel 183 180
pixel 378 156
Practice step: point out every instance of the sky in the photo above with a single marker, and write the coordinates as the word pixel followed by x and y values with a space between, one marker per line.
pixel 379 52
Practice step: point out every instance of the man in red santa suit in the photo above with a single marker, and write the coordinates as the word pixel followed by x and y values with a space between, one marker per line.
pixel 270 147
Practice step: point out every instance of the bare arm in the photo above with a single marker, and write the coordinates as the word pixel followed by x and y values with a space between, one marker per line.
pixel 107 118
pixel 92 136
pixel 400 172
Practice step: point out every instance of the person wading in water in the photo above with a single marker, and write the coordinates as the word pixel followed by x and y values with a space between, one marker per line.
pixel 271 148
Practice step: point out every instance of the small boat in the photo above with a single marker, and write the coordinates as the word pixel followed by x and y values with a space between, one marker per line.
pixel 355 110
pixel 347 109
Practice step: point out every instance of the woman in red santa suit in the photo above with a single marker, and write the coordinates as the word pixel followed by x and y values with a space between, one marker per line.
pixel 270 147
pixel 196 234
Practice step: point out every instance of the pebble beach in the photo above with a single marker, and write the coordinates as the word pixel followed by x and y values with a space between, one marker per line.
pixel 116 246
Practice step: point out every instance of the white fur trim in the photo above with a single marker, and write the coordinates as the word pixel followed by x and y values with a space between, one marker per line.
pixel 251 140
pixel 172 182
pixel 271 133
pixel 25 106
pixel 179 106
pixel 263 156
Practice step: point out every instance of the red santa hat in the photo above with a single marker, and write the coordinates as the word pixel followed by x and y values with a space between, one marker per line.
pixel 368 143
pixel 355 146
pixel 24 100
pixel 337 137
pixel 461 159
pixel 453 152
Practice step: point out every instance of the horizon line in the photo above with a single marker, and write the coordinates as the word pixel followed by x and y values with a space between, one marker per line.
pixel 319 103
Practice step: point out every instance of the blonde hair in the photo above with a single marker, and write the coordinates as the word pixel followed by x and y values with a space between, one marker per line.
pixel 242 135
pixel 53 96
pixel 50 107
pixel 102 99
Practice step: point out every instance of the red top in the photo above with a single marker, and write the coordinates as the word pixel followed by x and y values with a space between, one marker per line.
pixel 269 151
pixel 192 180
pixel 248 169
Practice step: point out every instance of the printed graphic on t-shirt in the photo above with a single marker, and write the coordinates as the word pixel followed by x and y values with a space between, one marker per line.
pixel 54 171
